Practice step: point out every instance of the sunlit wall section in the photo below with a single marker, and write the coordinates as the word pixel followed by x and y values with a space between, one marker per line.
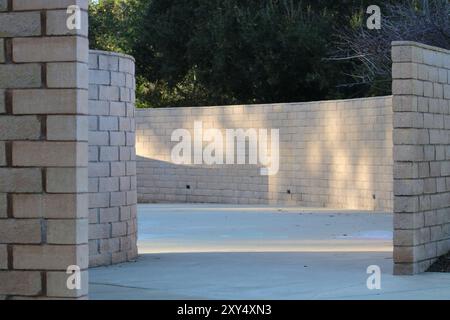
pixel 331 154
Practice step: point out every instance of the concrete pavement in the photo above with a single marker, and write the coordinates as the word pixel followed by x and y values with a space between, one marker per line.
pixel 243 252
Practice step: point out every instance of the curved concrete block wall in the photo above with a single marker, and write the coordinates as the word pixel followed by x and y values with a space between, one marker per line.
pixel 112 159
pixel 332 154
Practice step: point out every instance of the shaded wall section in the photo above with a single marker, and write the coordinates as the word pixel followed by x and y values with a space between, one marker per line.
pixel 332 154
pixel 112 159
pixel 421 103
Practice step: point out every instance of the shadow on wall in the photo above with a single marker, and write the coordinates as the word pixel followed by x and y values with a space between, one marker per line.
pixel 332 154
pixel 163 181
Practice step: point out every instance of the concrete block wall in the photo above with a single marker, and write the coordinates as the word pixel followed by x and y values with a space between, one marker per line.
pixel 332 154
pixel 112 159
pixel 421 105
pixel 43 150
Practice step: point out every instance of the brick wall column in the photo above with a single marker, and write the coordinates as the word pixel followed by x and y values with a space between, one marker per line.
pixel 421 104
pixel 43 149
pixel 112 159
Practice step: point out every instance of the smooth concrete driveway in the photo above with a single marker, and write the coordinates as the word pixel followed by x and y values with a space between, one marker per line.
pixel 248 252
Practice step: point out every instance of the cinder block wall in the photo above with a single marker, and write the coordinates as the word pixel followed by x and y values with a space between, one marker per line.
pixel 43 149
pixel 332 154
pixel 112 159
pixel 421 103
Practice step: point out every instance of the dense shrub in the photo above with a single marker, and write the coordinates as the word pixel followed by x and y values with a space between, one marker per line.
pixel 209 52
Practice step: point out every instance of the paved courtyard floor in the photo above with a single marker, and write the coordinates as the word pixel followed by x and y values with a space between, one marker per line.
pixel 192 251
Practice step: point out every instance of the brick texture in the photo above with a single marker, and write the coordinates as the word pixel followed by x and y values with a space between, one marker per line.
pixel 112 121
pixel 332 154
pixel 43 150
pixel 421 104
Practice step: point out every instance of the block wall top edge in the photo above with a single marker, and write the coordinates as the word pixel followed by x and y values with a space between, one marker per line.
pixel 419 45
pixel 31 5
pixel 111 53
pixel 306 103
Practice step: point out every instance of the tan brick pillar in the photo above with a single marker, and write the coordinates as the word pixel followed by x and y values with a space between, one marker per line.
pixel 112 159
pixel 421 104
pixel 43 149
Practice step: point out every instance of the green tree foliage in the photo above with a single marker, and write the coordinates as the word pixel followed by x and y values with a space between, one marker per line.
pixel 114 25
pixel 237 51
pixel 209 52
